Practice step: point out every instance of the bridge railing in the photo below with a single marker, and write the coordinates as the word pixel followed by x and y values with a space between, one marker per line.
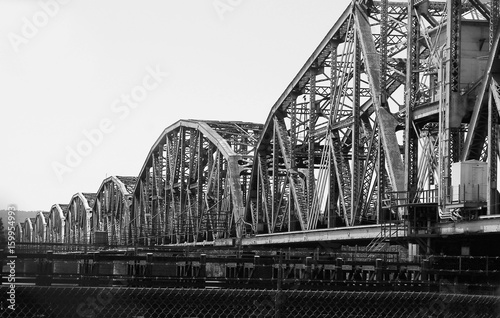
pixel 404 198
pixel 39 247
pixel 266 272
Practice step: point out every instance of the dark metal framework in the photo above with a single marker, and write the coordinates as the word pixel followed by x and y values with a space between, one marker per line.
pixel 56 223
pixel 193 184
pixel 27 230
pixel 40 227
pixel 374 129
pixel 111 210
pixel 369 128
pixel 78 218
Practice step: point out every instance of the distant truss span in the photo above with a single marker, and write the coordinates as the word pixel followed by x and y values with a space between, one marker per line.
pixel 78 218
pixel 193 183
pixel 56 223
pixel 111 211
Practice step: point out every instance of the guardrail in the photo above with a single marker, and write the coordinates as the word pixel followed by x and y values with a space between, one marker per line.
pixel 102 269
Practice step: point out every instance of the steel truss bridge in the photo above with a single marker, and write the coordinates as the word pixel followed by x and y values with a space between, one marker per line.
pixel 388 132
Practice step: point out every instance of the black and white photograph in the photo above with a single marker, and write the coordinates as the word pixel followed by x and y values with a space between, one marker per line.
pixel 249 158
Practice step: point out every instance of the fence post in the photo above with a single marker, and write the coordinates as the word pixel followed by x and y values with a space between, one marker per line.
pixel 203 266
pixel 279 296
pixel 280 271
pixel 425 270
pixel 49 270
pixel 338 267
pixel 256 267
pixel 378 269
pixel 148 271
pixel 95 263
pixel 308 270
pixel 83 264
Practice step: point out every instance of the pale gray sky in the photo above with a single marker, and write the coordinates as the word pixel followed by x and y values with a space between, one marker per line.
pixel 83 89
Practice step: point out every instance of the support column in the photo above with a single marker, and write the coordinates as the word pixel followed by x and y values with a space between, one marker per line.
pixel 450 110
pixel 334 187
pixel 412 84
pixel 491 198
pixel 384 19
pixel 312 125
pixel 492 154
pixel 356 164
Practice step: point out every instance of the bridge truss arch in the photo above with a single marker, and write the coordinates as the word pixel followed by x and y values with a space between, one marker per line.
pixel 78 218
pixel 27 230
pixel 193 183
pixel 19 232
pixel 40 227
pixel 56 222
pixel 370 126
pixel 111 211
pixel 318 162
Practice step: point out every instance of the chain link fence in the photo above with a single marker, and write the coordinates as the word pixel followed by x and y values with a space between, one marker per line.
pixel 109 302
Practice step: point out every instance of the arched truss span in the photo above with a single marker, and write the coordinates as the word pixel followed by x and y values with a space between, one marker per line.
pixel 78 218
pixel 193 184
pixel 19 232
pixel 111 212
pixel 28 230
pixel 40 227
pixel 56 222
pixel 330 153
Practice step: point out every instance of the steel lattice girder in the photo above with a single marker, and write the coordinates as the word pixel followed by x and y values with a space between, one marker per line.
pixel 111 211
pixel 323 139
pixel 20 232
pixel 40 227
pixel 78 217
pixel 447 85
pixel 27 230
pixel 193 182
pixel 56 223
pixel 312 126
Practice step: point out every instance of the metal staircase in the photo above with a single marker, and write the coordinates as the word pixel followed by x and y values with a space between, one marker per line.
pixel 388 232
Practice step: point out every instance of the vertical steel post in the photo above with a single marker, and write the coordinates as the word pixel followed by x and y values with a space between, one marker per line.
pixel 384 19
pixel 355 142
pixel 492 122
pixel 411 99
pixel 312 127
pixel 449 125
pixel 333 191
pixel 182 194
pixel 275 185
pixel 199 189
pixel 492 153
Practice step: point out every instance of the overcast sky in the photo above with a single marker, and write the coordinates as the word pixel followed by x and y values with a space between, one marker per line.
pixel 87 86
